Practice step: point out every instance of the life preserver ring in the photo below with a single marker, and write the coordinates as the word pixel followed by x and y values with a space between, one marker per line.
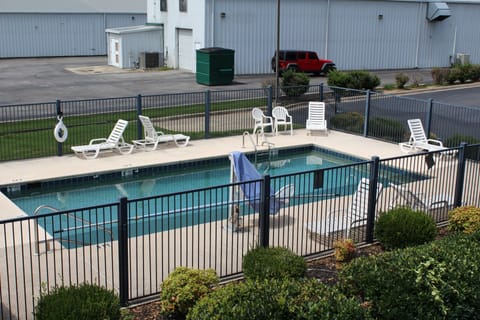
pixel 60 132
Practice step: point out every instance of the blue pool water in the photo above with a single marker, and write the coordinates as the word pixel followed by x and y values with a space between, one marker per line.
pixel 96 190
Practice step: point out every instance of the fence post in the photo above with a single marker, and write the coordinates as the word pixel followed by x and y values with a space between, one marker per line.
pixel 320 93
pixel 367 114
pixel 460 175
pixel 264 232
pixel 372 199
pixel 139 113
pixel 429 117
pixel 123 250
pixel 58 105
pixel 207 114
pixel 269 97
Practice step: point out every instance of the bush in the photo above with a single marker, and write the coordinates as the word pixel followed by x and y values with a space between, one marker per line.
pixel 401 80
pixel 360 80
pixel 457 139
pixel 438 280
pixel 344 250
pixel 464 219
pixel 440 75
pixel 277 299
pixel 294 84
pixel 183 288
pixel 475 72
pixel 348 121
pixel 387 129
pixel 273 263
pixel 402 227
pixel 455 74
pixel 85 301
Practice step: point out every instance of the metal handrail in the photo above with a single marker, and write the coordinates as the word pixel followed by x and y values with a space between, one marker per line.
pixel 53 209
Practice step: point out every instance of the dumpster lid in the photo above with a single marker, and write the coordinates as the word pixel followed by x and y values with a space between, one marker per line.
pixel 214 49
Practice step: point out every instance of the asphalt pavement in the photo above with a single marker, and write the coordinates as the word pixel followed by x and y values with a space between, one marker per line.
pixel 35 80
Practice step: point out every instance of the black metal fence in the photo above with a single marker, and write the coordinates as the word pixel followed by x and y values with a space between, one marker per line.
pixel 26 131
pixel 131 246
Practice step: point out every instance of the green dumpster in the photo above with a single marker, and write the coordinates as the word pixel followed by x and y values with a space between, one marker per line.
pixel 215 66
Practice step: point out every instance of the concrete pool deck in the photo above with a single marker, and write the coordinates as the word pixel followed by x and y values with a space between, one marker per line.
pixel 52 168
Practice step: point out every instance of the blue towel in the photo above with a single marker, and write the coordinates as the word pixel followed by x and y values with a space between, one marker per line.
pixel 245 171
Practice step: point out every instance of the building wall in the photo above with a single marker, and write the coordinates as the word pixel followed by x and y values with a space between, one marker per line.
pixel 173 22
pixel 59 34
pixel 361 34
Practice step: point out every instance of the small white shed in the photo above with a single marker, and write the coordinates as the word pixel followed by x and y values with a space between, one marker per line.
pixel 135 47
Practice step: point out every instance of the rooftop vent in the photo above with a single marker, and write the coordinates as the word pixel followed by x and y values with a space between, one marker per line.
pixel 438 11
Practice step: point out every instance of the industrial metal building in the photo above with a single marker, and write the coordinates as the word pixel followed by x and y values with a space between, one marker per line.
pixel 356 34
pixel 48 28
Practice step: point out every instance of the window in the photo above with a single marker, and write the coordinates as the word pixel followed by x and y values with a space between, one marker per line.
pixel 163 5
pixel 183 5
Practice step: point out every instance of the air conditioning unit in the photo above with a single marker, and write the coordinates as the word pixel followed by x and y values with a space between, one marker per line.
pixel 149 60
pixel 463 58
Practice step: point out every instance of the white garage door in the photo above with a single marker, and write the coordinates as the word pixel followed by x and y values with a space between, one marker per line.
pixel 186 56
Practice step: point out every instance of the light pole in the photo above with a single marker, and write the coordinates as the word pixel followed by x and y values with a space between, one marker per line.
pixel 277 52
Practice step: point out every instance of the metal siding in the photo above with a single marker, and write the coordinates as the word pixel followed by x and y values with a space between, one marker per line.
pixel 134 43
pixel 358 39
pixel 47 35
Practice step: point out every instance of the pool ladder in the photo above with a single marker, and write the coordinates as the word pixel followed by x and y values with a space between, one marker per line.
pixel 264 142
pixel 52 209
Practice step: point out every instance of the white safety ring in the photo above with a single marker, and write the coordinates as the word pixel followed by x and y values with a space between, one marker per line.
pixel 60 132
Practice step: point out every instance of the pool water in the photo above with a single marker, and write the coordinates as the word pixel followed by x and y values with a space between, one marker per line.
pixel 133 184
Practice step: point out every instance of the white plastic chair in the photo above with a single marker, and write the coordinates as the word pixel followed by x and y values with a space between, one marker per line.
pixel 281 117
pixel 153 138
pixel 316 117
pixel 419 201
pixel 355 216
pixel 418 139
pixel 261 121
pixel 114 142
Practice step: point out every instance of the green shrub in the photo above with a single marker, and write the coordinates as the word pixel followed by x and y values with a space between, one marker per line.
pixel 183 288
pixel 457 139
pixel 85 301
pixel 475 72
pixel 440 75
pixel 402 227
pixel 388 86
pixel 438 280
pixel 276 299
pixel 455 74
pixel 273 263
pixel 294 84
pixel 348 121
pixel 360 80
pixel 401 80
pixel 464 219
pixel 387 129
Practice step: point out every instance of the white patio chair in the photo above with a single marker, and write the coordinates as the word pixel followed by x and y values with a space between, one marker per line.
pixel 418 201
pixel 418 139
pixel 343 221
pixel 114 142
pixel 281 117
pixel 153 138
pixel 316 117
pixel 261 121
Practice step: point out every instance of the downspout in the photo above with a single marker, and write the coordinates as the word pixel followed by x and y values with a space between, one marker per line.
pixel 417 49
pixel 327 23
pixel 452 60
pixel 212 26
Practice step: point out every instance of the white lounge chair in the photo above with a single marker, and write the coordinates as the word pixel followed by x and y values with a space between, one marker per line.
pixel 316 117
pixel 114 142
pixel 281 117
pixel 261 121
pixel 406 197
pixel 153 138
pixel 343 221
pixel 418 139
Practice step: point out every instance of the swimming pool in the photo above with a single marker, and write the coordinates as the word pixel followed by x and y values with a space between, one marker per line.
pixel 178 195
pixel 74 193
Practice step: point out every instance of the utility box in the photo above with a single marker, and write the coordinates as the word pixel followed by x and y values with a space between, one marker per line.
pixel 463 58
pixel 147 60
pixel 215 66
